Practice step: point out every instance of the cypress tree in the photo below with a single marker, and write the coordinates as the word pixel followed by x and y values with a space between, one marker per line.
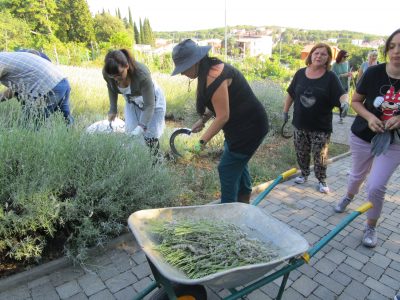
pixel 137 34
pixel 130 17
pixel 141 32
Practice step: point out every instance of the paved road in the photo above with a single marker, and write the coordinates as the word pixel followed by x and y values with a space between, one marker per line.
pixel 343 269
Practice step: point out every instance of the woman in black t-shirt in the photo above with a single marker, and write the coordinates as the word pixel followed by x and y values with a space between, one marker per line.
pixel 223 93
pixel 314 91
pixel 377 103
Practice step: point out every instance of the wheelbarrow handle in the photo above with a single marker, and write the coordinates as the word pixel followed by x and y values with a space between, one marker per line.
pixel 269 188
pixel 288 173
pixel 338 228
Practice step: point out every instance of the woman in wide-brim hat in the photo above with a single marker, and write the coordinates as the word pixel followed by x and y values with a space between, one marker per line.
pixel 224 94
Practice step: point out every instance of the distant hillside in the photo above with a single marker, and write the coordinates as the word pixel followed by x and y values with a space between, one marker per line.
pixel 286 34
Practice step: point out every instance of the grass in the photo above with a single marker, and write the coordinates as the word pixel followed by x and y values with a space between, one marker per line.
pixel 59 183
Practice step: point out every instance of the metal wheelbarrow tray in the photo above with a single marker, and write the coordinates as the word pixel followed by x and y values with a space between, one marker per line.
pixel 251 219
pixel 295 250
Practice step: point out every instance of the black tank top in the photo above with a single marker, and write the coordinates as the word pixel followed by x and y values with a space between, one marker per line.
pixel 248 121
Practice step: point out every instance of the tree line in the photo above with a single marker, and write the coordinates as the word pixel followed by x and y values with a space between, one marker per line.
pixel 68 27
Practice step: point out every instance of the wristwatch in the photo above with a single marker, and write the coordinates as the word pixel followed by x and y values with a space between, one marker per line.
pixel 202 142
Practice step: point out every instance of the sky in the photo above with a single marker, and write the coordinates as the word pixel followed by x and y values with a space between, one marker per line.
pixel 187 15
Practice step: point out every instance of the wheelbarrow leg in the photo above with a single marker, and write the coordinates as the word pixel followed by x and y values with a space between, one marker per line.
pixel 163 281
pixel 282 287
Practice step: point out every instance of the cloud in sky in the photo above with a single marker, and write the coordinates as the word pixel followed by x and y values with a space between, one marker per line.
pixel 181 15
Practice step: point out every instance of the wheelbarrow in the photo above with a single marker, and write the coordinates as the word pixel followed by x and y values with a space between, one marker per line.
pixel 294 249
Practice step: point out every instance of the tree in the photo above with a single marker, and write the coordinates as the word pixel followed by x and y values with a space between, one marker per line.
pixel 36 13
pixel 75 21
pixel 148 36
pixel 121 40
pixel 130 17
pixel 141 32
pixel 136 34
pixel 105 25
pixel 14 33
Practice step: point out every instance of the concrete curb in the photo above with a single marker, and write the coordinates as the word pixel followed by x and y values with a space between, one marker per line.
pixel 50 267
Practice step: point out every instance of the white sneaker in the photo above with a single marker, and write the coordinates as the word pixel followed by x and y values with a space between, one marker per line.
pixel 341 206
pixel 323 188
pixel 300 179
pixel 370 238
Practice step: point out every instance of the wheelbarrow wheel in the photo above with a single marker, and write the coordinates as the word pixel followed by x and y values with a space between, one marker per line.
pixel 182 292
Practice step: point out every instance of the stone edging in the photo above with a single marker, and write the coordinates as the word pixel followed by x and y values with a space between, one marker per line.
pixel 52 266
pixel 63 262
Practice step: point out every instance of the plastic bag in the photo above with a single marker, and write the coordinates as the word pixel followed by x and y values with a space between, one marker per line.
pixel 106 126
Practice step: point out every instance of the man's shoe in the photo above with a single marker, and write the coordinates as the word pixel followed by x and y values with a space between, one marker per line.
pixel 323 187
pixel 300 179
pixel 370 238
pixel 341 206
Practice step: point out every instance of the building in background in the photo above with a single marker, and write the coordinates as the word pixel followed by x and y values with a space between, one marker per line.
pixel 250 45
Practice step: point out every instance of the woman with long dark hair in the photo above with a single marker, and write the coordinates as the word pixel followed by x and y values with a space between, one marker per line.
pixel 224 94
pixel 342 69
pixel 145 104
pixel 377 104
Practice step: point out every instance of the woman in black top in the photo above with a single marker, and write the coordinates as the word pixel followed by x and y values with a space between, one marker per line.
pixel 223 93
pixel 314 90
pixel 375 135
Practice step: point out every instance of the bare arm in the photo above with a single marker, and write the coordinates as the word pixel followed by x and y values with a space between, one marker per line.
pixel 288 103
pixel 220 101
pixel 374 123
pixel 199 125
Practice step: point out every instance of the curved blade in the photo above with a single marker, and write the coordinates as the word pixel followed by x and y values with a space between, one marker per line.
pixel 177 132
pixel 287 130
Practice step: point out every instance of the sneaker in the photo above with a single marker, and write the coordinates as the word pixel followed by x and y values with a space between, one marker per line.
pixel 300 179
pixel 370 238
pixel 340 121
pixel 341 206
pixel 323 188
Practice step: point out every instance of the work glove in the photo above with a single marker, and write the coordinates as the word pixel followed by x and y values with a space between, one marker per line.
pixel 198 147
pixel 380 143
pixel 344 109
pixel 137 131
pixel 285 116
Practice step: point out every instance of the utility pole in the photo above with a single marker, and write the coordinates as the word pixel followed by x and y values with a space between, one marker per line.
pixel 226 41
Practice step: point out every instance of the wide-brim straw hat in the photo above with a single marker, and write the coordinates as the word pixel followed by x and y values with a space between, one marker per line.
pixel 186 54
